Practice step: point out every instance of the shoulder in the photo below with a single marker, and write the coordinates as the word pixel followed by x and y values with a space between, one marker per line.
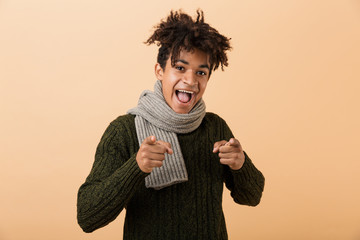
pixel 214 118
pixel 218 125
pixel 122 129
pixel 124 121
pixel 123 125
pixel 211 115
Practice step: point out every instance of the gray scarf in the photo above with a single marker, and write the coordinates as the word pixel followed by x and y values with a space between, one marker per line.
pixel 155 118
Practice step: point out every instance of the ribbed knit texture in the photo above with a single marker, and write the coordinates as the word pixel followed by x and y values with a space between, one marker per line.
pixel 189 210
pixel 155 118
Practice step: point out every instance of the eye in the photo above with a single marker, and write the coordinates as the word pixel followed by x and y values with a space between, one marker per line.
pixel 201 73
pixel 180 68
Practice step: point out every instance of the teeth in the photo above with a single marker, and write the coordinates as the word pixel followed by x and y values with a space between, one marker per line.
pixel 186 91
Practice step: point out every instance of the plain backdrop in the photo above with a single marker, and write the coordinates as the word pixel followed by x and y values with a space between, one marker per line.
pixel 290 95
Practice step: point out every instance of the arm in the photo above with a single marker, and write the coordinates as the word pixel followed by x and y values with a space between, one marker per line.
pixel 112 182
pixel 241 177
pixel 246 184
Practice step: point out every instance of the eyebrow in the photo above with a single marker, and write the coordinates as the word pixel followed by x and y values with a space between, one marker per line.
pixel 187 63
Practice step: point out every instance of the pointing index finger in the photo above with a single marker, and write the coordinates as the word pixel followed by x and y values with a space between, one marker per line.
pixel 234 142
pixel 229 146
pixel 151 140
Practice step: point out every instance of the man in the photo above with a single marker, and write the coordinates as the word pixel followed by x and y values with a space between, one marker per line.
pixel 167 159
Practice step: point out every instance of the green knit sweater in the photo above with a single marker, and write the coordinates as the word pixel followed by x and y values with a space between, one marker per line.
pixel 189 210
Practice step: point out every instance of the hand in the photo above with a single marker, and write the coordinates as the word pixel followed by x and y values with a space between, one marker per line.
pixel 152 153
pixel 230 153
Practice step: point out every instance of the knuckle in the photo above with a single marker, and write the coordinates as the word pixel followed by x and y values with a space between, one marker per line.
pixel 161 157
pixel 163 149
pixel 159 164
pixel 145 162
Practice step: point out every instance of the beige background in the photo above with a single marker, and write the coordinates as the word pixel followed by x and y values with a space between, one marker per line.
pixel 290 94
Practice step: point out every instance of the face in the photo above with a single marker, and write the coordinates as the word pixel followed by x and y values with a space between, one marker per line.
pixel 184 84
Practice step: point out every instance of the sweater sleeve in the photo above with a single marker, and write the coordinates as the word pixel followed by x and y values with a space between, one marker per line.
pixel 246 184
pixel 113 180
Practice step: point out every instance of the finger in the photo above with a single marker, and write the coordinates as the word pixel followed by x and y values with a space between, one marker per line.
pixel 156 163
pixel 151 140
pixel 228 155
pixel 232 163
pixel 229 149
pixel 156 148
pixel 166 145
pixel 149 164
pixel 217 145
pixel 232 146
pixel 155 156
pixel 234 142
pixel 226 161
pixel 147 155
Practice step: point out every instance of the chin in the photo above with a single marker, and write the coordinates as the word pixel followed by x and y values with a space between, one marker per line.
pixel 181 111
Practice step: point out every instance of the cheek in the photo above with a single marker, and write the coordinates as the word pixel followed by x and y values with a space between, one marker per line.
pixel 203 85
pixel 167 90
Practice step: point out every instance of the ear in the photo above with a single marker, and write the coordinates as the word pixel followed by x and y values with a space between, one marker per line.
pixel 159 72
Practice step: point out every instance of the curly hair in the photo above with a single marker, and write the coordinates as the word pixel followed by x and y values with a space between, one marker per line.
pixel 180 32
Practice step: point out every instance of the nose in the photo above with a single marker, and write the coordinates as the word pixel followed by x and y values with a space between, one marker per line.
pixel 190 78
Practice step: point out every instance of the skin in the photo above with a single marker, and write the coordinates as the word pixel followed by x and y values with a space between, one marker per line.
pixel 190 73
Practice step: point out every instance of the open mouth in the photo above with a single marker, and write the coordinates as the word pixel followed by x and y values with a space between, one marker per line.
pixel 184 96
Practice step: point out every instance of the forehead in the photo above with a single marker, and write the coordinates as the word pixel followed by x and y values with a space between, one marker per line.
pixel 195 56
